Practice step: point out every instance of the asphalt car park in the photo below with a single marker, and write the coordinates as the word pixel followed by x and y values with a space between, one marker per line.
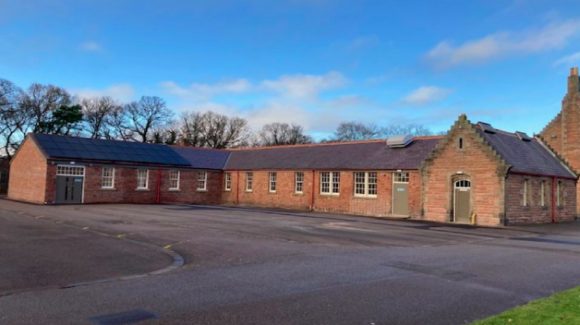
pixel 256 266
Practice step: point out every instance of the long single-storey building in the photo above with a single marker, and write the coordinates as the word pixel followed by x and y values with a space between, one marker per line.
pixel 474 174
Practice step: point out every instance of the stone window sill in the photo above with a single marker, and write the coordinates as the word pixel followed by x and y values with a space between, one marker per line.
pixel 108 189
pixel 142 189
pixel 201 191
pixel 366 197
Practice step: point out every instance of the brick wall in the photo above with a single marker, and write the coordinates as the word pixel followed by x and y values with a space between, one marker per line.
pixel 125 189
pixel 478 163
pixel 345 202
pixel 28 174
pixel 534 211
pixel 563 133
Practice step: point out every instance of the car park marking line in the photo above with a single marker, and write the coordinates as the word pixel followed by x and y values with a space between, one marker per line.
pixel 178 261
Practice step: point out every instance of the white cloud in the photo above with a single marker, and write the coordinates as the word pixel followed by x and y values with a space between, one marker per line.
pixel 207 91
pixel 298 86
pixel 363 42
pixel 121 92
pixel 501 44
pixel 572 59
pixel 302 86
pixel 90 46
pixel 426 95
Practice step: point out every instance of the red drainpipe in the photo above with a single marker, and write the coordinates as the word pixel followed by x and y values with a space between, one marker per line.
pixel 554 200
pixel 238 188
pixel 312 194
pixel 159 185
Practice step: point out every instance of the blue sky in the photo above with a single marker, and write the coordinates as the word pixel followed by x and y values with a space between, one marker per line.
pixel 312 62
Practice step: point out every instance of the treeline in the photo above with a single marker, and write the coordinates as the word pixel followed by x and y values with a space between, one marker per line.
pixel 51 109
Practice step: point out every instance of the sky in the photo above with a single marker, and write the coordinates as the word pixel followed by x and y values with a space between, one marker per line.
pixel 311 62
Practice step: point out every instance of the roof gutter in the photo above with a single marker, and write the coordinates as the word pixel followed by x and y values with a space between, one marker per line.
pixel 543 175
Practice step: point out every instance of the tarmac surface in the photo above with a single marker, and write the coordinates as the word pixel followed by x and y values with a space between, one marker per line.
pixel 256 266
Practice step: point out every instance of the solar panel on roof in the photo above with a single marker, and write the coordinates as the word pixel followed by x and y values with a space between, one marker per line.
pixel 82 148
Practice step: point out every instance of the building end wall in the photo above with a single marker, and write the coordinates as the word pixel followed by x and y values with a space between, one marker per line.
pixel 28 174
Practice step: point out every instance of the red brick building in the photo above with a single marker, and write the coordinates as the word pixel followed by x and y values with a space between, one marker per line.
pixel 474 174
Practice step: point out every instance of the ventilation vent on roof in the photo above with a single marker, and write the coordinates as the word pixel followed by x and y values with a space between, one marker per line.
pixel 523 136
pixel 399 141
pixel 486 127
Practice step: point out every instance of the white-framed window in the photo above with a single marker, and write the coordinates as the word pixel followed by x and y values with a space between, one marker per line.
pixel 174 177
pixel 249 181
pixel 559 194
pixel 543 193
pixel 62 170
pixel 330 183
pixel 272 182
pixel 108 177
pixel 299 182
pixel 401 177
pixel 365 184
pixel 228 181
pixel 525 193
pixel 201 181
pixel 142 179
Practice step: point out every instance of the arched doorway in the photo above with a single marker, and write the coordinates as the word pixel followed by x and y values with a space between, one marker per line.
pixel 462 201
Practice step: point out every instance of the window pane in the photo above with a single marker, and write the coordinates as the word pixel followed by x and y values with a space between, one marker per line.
pixel 325 182
pixel 372 181
pixel 272 182
pixel 336 183
pixel 359 183
pixel 201 180
pixel 299 182
pixel 249 181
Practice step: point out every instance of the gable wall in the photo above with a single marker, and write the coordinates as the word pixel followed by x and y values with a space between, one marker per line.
pixel 477 163
pixel 28 170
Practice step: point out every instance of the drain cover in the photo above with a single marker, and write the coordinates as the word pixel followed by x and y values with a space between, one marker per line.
pixel 128 317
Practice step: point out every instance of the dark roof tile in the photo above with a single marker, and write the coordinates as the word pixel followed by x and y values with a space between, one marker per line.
pixel 358 155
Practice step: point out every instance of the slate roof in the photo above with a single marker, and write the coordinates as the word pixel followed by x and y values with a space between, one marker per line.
pixel 525 156
pixel 65 147
pixel 203 158
pixel 370 155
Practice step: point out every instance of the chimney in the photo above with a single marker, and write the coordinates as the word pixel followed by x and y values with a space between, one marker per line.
pixel 573 81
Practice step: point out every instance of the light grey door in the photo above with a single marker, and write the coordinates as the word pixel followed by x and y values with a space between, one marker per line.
pixel 462 201
pixel 69 190
pixel 401 199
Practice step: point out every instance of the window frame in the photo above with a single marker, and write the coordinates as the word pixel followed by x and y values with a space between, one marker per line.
pixel 139 177
pixel 559 194
pixel 333 183
pixel 204 180
pixel 543 193
pixel 59 168
pixel 112 178
pixel 299 181
pixel 366 184
pixel 272 182
pixel 526 193
pixel 228 181
pixel 249 181
pixel 398 177
pixel 178 180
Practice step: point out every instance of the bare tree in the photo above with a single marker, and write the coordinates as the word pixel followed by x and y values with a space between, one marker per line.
pixel 277 134
pixel 39 102
pixel 351 131
pixel 145 115
pixel 10 117
pixel 220 131
pixel 192 128
pixel 98 114
pixel 410 129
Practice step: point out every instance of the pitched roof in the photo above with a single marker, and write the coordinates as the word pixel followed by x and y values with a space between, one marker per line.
pixel 525 156
pixel 65 147
pixel 203 158
pixel 373 154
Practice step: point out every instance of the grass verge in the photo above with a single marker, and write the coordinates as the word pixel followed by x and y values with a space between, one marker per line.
pixel 561 308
